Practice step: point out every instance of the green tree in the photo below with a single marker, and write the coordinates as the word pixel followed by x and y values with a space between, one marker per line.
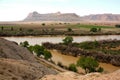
pixel 89 64
pixel 47 55
pixel 31 48
pixel 39 50
pixel 67 40
pixel 93 29
pixel 72 67
pixel 24 44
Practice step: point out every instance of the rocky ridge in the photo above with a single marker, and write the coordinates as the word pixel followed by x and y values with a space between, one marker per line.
pixel 17 63
pixel 71 17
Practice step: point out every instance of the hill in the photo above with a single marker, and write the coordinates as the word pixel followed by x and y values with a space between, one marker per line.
pixel 71 17
pixel 17 63
pixel 102 17
pixel 35 16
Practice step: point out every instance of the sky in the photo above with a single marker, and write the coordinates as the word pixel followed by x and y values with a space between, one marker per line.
pixel 16 10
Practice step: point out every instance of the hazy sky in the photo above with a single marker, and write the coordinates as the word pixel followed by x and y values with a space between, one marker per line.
pixel 11 10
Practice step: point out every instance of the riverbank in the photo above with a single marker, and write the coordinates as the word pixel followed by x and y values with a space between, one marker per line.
pixel 72 50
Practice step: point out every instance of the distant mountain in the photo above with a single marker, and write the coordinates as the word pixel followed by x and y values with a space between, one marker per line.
pixel 102 17
pixel 35 16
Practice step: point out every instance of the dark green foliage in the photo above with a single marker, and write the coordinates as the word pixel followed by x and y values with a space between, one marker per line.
pixel 69 29
pixel 117 26
pixel 31 48
pixel 39 50
pixel 47 55
pixel 30 30
pixel 24 44
pixel 11 28
pixel 93 29
pixel 20 29
pixel 2 28
pixel 43 24
pixel 100 69
pixel 89 45
pixel 67 40
pixel 72 67
pixel 89 64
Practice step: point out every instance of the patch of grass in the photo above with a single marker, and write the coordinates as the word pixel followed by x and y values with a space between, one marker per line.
pixel 92 26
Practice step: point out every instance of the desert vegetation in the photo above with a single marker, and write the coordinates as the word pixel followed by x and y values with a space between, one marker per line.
pixel 37 49
pixel 103 51
pixel 40 29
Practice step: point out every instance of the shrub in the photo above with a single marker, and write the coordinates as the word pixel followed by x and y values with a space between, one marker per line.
pixel 24 44
pixel 89 64
pixel 11 28
pixel 2 28
pixel 39 50
pixel 72 67
pixel 43 24
pixel 117 26
pixel 47 55
pixel 67 40
pixel 69 29
pixel 93 29
pixel 100 69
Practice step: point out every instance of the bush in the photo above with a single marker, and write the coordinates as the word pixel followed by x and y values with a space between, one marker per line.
pixel 24 44
pixel 67 40
pixel 2 28
pixel 100 69
pixel 93 29
pixel 31 48
pixel 89 64
pixel 30 30
pixel 43 24
pixel 72 67
pixel 117 26
pixel 39 50
pixel 47 55
pixel 69 29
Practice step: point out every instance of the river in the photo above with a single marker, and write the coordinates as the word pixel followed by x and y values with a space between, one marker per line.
pixel 65 59
pixel 56 39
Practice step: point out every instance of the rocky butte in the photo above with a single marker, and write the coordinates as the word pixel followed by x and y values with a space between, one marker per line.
pixel 71 17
